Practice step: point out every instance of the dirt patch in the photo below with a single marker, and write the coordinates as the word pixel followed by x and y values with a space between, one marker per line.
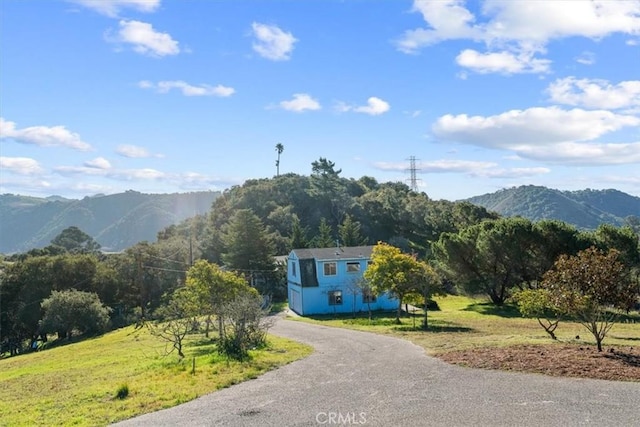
pixel 566 360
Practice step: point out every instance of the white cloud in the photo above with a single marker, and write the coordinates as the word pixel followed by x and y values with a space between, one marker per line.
pixel 112 8
pixel 511 172
pixel 549 134
pixel 447 19
pixel 185 180
pixel 55 136
pixel 145 39
pixel 544 20
pixel 595 93
pixel 98 163
pixel 20 165
pixel 188 89
pixel 502 62
pixel 271 42
pixel 438 166
pixel 135 152
pixel 300 102
pixel 584 154
pixel 532 126
pixel 518 27
pixel 586 58
pixel 375 106
pixel 467 167
pixel 118 174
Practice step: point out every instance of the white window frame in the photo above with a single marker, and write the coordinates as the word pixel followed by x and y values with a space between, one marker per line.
pixel 327 267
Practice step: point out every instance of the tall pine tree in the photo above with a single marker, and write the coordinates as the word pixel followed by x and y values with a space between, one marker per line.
pixel 248 248
pixel 349 233
pixel 324 238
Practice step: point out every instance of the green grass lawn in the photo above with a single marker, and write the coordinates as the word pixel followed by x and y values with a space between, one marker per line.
pixel 464 323
pixel 76 384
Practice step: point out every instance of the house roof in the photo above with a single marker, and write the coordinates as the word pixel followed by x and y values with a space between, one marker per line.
pixel 343 252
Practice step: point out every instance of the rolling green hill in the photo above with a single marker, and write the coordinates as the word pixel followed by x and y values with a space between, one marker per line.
pixel 115 221
pixel 585 209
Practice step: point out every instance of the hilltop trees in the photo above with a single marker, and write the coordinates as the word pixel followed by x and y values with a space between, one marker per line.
pixel 74 240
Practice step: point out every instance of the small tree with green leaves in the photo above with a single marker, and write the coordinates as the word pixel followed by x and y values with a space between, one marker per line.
pixel 213 288
pixel 593 287
pixel 426 284
pixel 176 320
pixel 393 272
pixel 538 303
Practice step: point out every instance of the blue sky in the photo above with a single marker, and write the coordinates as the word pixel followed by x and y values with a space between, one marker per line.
pixel 158 96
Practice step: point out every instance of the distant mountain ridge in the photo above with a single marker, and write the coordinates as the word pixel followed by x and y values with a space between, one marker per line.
pixel 585 208
pixel 119 221
pixel 116 221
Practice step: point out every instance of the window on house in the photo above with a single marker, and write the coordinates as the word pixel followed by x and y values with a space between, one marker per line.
pixel 293 269
pixel 353 267
pixel 368 296
pixel 330 269
pixel 335 297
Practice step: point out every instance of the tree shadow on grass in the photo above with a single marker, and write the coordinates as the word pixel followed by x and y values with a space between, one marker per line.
pixel 434 327
pixel 631 317
pixel 202 346
pixel 625 338
pixel 508 310
pixel 378 318
pixel 626 358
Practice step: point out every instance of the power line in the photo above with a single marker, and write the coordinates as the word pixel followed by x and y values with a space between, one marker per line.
pixel 164 269
pixel 166 259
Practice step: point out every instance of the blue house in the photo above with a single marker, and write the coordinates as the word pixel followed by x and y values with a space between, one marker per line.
pixel 329 280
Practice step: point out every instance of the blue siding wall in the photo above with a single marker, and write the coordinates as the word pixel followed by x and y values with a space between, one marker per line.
pixel 347 298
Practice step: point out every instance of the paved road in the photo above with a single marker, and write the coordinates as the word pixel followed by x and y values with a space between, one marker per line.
pixel 356 378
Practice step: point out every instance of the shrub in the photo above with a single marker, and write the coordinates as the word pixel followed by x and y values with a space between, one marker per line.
pixel 122 392
pixel 244 317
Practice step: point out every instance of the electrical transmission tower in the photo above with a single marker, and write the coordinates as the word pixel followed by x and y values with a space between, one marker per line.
pixel 412 173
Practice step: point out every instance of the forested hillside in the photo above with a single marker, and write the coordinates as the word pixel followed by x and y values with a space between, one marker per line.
pixel 323 208
pixel 116 221
pixel 584 209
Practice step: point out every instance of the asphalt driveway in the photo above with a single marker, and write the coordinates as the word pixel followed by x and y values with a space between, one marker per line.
pixel 357 378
